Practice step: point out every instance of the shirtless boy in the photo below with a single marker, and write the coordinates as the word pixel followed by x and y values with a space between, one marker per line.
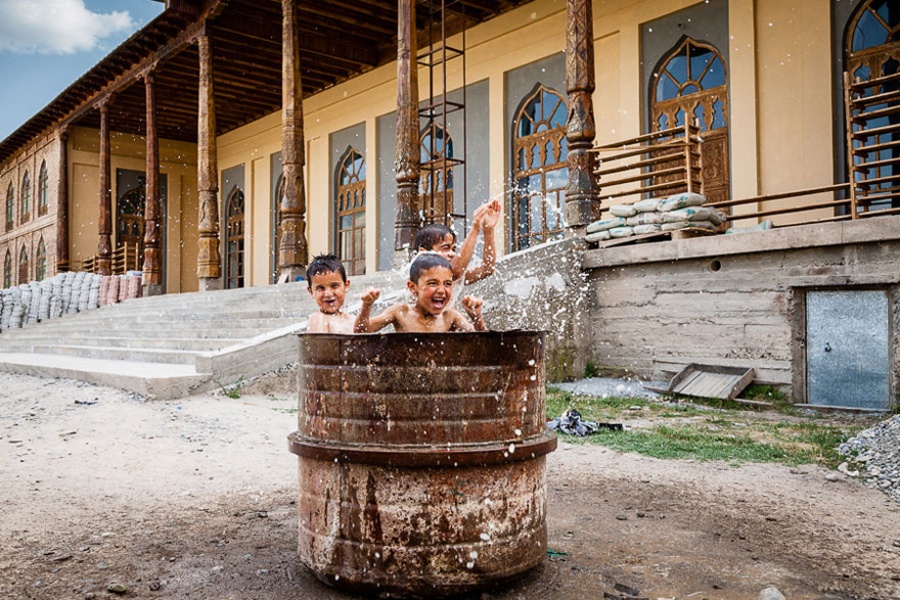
pixel 431 284
pixel 441 239
pixel 328 285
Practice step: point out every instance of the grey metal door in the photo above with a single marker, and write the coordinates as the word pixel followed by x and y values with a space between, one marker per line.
pixel 847 349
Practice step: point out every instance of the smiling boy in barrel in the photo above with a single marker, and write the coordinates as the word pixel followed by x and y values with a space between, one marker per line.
pixel 441 239
pixel 431 284
pixel 328 285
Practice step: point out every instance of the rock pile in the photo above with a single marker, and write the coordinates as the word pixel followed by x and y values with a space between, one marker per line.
pixel 63 294
pixel 875 455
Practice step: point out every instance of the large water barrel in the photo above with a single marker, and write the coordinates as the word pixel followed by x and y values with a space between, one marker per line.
pixel 422 460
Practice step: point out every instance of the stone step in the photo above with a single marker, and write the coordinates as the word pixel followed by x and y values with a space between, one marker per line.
pixel 192 344
pixel 183 357
pixel 246 327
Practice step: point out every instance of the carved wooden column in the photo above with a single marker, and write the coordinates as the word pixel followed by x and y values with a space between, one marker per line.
pixel 152 272
pixel 582 193
pixel 62 204
pixel 407 163
pixel 292 247
pixel 104 222
pixel 208 258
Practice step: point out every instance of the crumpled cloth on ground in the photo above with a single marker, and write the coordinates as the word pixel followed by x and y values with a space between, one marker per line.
pixel 570 422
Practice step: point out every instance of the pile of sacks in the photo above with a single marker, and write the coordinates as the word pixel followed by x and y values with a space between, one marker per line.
pixel 678 211
pixel 63 294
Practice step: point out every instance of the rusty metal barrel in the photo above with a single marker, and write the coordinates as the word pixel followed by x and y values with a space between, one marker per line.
pixel 422 460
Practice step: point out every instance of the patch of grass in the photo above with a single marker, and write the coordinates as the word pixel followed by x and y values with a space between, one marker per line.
pixel 590 370
pixel 726 431
pixel 684 442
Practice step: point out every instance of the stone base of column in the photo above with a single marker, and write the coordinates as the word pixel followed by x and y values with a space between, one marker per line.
pixel 152 289
pixel 210 284
pixel 401 259
pixel 289 274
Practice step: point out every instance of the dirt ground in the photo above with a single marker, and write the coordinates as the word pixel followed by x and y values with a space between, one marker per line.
pixel 196 499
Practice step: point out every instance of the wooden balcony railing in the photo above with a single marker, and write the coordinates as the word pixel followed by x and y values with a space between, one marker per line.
pixel 124 258
pixel 658 164
pixel 667 162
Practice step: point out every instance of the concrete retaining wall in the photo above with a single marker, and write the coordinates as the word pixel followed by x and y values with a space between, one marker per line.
pixel 733 300
pixel 542 288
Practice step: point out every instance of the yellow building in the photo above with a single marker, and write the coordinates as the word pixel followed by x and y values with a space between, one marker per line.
pixel 210 104
pixel 766 76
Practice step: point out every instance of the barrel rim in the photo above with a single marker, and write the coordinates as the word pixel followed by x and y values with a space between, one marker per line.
pixel 428 335
pixel 459 455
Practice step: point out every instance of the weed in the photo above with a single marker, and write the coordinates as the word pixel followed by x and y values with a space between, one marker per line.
pixel 590 370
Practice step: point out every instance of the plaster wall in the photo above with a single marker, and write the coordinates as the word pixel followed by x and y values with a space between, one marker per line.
pixel 733 300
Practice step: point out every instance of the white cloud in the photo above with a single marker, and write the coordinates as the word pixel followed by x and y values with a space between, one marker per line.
pixel 56 26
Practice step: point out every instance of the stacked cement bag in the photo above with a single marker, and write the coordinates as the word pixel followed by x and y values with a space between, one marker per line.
pixel 653 215
pixel 65 293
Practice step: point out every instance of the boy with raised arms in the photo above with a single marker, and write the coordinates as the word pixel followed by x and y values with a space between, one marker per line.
pixel 431 284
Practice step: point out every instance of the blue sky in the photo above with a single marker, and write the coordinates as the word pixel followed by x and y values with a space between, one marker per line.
pixel 45 45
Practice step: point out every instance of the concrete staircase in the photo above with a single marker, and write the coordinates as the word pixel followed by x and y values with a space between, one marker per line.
pixel 173 345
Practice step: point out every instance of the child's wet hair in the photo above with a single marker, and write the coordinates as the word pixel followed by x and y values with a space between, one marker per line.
pixel 431 235
pixel 425 261
pixel 322 264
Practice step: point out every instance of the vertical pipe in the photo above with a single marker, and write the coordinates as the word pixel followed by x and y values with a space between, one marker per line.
pixel 582 195
pixel 293 251
pixel 208 258
pixel 62 204
pixel 407 162
pixel 104 222
pixel 152 280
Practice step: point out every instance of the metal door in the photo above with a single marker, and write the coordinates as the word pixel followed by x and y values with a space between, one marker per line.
pixel 847 349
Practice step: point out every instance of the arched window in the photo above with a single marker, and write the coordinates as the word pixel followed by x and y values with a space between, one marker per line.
pixel 351 212
pixel 276 224
pixel 26 197
pixel 43 190
pixel 540 172
pixel 436 160
pixel 7 271
pixel 872 51
pixel 23 266
pixel 690 84
pixel 234 239
pixel 10 207
pixel 130 217
pixel 40 261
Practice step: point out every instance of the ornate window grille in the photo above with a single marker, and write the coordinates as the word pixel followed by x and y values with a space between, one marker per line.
pixel 540 171
pixel 234 240
pixel 40 261
pixel 43 190
pixel 351 212
pixel 26 197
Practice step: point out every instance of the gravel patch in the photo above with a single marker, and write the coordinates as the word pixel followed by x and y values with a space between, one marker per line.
pixel 874 455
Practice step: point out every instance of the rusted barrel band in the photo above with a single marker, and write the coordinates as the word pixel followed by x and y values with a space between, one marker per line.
pixel 434 456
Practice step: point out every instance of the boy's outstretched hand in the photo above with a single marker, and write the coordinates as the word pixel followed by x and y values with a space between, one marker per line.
pixel 491 214
pixel 370 296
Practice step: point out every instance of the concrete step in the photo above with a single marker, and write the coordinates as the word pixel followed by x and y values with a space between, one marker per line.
pixel 159 355
pixel 163 381
pixel 138 326
pixel 192 344
pixel 172 345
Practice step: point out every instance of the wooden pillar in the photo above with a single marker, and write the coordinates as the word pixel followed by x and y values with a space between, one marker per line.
pixel 62 204
pixel 293 251
pixel 582 193
pixel 152 272
pixel 407 163
pixel 104 222
pixel 208 258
